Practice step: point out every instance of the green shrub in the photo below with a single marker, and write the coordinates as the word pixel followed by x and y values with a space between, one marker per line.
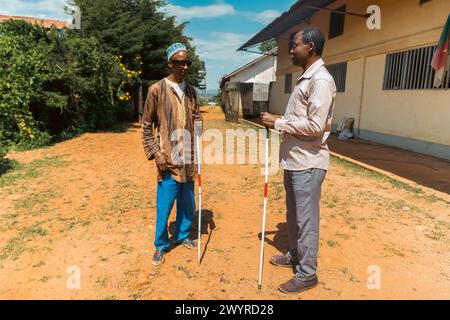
pixel 53 85
pixel 56 84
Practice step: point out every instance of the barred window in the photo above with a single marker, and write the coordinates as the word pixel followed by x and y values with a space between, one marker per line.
pixel 339 73
pixel 337 22
pixel 288 83
pixel 291 41
pixel 411 70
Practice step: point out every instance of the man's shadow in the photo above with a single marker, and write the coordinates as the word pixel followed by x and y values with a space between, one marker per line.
pixel 208 225
pixel 280 240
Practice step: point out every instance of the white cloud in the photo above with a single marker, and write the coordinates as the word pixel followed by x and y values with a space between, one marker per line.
pixel 265 17
pixel 221 46
pixel 50 9
pixel 218 10
pixel 200 12
pixel 220 55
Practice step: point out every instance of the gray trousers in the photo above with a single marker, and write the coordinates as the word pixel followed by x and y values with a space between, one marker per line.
pixel 303 190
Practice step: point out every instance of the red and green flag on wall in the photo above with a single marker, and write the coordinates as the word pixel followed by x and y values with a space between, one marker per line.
pixel 441 58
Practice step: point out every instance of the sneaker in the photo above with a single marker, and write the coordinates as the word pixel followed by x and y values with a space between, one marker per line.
pixel 188 243
pixel 158 257
pixel 296 285
pixel 285 261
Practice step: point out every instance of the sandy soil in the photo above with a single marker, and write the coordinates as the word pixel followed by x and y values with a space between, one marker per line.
pixel 90 203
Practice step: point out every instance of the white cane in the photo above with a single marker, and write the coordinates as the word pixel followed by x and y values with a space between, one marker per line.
pixel 263 234
pixel 198 132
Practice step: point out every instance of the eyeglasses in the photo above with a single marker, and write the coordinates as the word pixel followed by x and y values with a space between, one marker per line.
pixel 182 63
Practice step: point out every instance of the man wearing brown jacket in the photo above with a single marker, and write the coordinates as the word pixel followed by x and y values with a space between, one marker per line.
pixel 168 138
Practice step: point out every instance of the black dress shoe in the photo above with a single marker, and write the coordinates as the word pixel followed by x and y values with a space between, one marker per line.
pixel 283 261
pixel 296 285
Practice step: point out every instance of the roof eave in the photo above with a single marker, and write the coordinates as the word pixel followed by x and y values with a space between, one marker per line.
pixel 269 53
pixel 270 31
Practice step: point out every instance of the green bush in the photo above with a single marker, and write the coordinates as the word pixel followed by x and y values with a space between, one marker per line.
pixel 53 85
pixel 3 151
pixel 22 73
pixel 56 84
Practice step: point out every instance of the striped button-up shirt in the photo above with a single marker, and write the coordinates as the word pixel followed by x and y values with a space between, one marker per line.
pixel 167 129
pixel 306 124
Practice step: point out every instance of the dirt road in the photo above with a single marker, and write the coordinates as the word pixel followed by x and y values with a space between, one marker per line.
pixel 87 207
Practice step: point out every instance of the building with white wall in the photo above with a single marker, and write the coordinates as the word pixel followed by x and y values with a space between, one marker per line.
pixel 245 91
pixel 384 76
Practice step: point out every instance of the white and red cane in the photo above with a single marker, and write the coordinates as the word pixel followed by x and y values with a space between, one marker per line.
pixel 198 133
pixel 266 189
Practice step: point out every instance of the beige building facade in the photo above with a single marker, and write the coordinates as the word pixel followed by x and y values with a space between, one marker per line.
pixel 384 74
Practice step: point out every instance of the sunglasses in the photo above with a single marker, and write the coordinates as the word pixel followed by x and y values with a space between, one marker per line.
pixel 181 63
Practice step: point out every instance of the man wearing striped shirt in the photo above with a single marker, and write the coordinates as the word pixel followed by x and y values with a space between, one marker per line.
pixel 168 138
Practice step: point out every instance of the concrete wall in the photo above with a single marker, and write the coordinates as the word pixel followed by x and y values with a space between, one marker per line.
pixel 410 119
pixel 422 115
pixel 348 103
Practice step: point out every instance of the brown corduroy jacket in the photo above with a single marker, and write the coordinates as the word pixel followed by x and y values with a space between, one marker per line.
pixel 162 129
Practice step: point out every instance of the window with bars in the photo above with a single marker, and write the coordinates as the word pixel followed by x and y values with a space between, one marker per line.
pixel 337 22
pixel 288 83
pixel 411 70
pixel 291 41
pixel 339 73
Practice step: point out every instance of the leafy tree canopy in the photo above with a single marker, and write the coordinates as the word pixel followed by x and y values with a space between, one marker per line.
pixel 134 30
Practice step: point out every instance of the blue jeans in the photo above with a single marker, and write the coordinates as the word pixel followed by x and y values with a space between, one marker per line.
pixel 167 192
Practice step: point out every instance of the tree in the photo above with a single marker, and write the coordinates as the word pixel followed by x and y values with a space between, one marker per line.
pixel 23 72
pixel 217 99
pixel 59 83
pixel 268 45
pixel 52 84
pixel 136 30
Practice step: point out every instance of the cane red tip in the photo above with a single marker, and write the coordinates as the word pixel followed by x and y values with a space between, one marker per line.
pixel 266 190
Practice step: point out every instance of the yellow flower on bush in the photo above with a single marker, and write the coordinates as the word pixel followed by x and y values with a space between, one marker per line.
pixel 24 129
pixel 125 97
pixel 130 74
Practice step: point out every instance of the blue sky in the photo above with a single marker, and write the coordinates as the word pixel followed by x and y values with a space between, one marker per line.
pixel 217 28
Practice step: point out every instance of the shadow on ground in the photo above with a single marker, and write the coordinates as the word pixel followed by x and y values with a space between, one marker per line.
pixel 207 227
pixel 7 165
pixel 120 127
pixel 280 239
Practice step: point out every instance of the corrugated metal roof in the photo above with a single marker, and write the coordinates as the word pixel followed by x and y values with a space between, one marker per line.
pixel 295 15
